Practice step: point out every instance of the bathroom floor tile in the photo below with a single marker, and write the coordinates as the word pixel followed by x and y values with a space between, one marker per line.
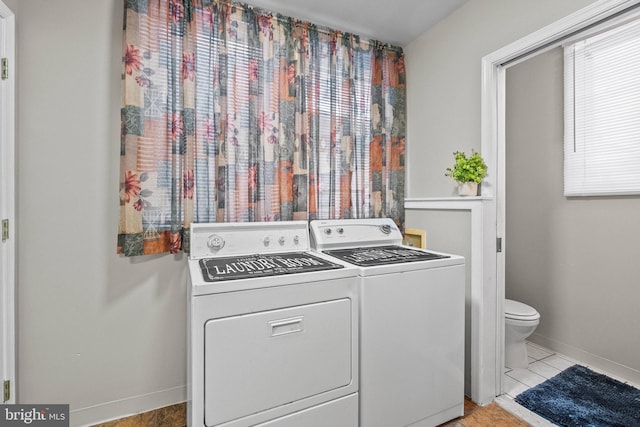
pixel 542 369
pixel 559 362
pixel 543 364
pixel 536 352
pixel 513 387
pixel 526 377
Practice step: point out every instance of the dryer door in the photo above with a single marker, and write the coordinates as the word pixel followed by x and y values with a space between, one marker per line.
pixel 258 361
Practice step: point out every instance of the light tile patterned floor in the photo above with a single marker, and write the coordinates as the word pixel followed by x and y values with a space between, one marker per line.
pixel 518 380
pixel 543 364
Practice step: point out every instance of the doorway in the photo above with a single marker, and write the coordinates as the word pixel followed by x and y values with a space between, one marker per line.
pixel 494 68
pixel 7 205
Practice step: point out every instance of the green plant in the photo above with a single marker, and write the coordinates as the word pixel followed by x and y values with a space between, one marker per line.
pixel 467 169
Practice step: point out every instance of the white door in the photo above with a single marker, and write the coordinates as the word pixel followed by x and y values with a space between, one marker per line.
pixel 7 205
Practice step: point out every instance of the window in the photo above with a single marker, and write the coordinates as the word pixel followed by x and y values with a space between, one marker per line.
pixel 232 113
pixel 602 113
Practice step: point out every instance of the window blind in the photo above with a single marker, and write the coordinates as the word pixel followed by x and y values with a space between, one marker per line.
pixel 602 113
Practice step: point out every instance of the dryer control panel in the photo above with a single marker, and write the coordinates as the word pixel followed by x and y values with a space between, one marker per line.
pixel 229 239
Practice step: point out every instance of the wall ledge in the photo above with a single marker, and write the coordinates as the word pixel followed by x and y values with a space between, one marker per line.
pixel 446 199
pixel 449 203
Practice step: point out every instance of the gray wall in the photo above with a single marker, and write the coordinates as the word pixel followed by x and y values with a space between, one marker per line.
pixel 443 103
pixel 12 5
pixel 107 334
pixel 100 332
pixel 444 81
pixel 574 259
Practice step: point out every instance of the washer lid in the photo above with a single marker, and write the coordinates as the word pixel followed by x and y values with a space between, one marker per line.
pixel 383 255
pixel 518 310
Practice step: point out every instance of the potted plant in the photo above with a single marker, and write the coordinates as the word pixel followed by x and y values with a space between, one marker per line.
pixel 468 172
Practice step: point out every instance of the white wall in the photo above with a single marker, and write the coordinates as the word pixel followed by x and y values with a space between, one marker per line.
pixel 443 81
pixel 100 332
pixel 573 259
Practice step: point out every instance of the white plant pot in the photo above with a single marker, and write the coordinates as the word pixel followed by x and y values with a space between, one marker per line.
pixel 467 188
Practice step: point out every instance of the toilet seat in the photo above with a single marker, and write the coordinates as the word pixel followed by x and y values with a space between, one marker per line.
pixel 518 311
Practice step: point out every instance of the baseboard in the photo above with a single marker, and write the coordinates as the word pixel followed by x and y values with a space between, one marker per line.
pixel 591 360
pixel 116 409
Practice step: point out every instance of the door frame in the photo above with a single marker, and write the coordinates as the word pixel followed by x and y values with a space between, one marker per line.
pixel 493 125
pixel 7 203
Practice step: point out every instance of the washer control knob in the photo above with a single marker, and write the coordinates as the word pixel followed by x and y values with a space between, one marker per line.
pixel 386 228
pixel 281 240
pixel 266 241
pixel 327 231
pixel 215 242
pixel 340 230
pixel 296 240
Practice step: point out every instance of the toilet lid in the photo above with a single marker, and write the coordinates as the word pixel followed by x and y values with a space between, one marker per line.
pixel 517 310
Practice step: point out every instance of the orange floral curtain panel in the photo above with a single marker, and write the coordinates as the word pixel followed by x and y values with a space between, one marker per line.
pixel 230 113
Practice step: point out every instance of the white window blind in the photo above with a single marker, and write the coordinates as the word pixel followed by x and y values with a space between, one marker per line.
pixel 602 113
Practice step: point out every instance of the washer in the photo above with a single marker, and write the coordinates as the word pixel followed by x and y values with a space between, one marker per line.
pixel 273 333
pixel 411 323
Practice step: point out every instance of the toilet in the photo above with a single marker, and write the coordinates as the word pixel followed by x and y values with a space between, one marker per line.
pixel 520 320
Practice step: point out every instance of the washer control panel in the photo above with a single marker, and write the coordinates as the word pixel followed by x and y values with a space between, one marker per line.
pixel 331 234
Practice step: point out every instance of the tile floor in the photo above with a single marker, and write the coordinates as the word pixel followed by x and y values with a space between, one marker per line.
pixel 543 364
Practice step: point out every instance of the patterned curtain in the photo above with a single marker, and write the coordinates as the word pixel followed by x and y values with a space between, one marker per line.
pixel 231 113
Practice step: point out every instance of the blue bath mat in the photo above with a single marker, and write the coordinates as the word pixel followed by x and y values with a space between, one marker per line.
pixel 579 397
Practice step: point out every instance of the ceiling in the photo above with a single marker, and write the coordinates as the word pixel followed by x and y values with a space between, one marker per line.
pixel 397 21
